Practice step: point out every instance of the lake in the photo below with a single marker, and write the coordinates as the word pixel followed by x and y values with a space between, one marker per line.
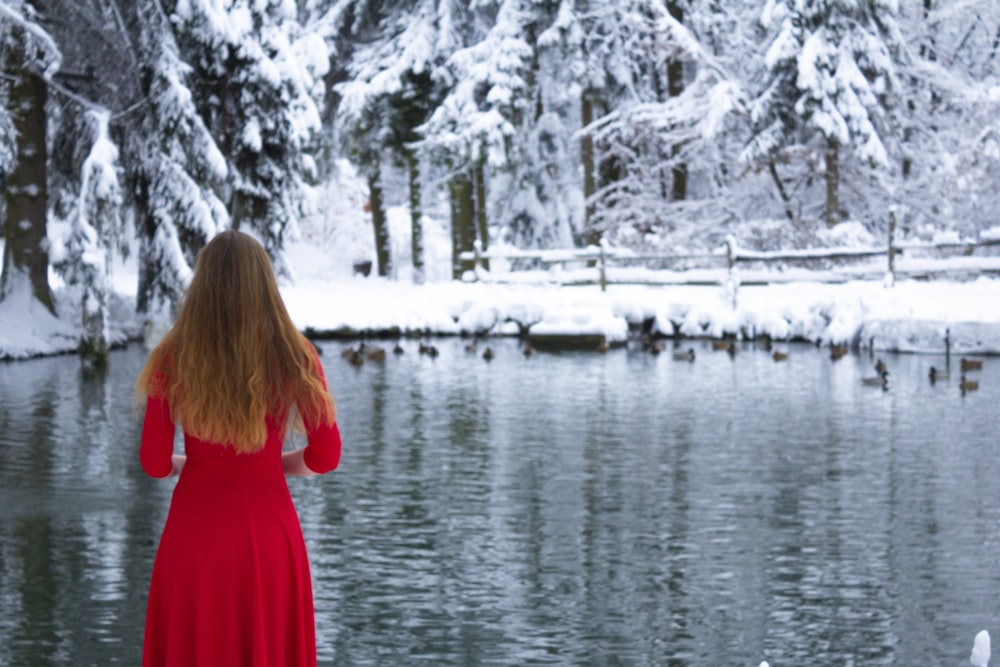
pixel 570 508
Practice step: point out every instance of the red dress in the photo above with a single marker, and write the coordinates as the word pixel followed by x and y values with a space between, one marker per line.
pixel 231 582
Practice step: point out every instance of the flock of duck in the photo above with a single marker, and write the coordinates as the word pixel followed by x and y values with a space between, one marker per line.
pixel 357 356
pixel 880 379
pixel 363 352
pixel 935 375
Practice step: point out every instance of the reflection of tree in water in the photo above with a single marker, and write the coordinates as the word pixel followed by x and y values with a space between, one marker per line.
pixel 93 420
pixel 74 562
pixel 26 551
pixel 35 638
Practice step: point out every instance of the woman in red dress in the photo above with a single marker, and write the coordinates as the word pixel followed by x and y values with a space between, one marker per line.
pixel 231 583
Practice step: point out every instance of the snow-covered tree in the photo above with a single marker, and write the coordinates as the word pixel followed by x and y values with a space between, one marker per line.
pixel 257 83
pixel 29 56
pixel 664 102
pixel 540 196
pixel 951 131
pixel 174 167
pixel 389 95
pixel 96 232
pixel 491 129
pixel 831 87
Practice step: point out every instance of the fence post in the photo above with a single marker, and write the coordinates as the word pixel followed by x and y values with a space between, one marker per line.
pixel 891 278
pixel 601 267
pixel 732 282
pixel 477 257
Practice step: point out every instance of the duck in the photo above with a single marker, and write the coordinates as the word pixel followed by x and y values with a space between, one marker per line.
pixel 779 356
pixel 471 348
pixel 722 345
pixel 654 348
pixel 602 347
pixel 837 351
pixel 375 354
pixel 356 357
pixel 967 385
pixel 432 351
pixel 488 354
pixel 936 374
pixel 398 349
pixel 684 356
pixel 880 380
pixel 971 364
pixel 528 351
pixel 880 366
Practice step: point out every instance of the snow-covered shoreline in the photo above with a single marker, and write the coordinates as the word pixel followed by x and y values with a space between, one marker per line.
pixel 327 299
pixel 911 316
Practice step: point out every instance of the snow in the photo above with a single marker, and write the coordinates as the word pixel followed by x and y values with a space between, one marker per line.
pixel 917 316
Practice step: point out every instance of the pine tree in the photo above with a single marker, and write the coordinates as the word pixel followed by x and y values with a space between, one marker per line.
pixel 96 232
pixel 29 56
pixel 173 165
pixel 831 87
pixel 257 83
pixel 389 94
pixel 488 103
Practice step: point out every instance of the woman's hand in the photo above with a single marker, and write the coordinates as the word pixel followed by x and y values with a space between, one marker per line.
pixel 294 464
pixel 178 460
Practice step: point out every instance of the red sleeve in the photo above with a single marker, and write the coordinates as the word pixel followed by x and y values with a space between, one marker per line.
pixel 157 446
pixel 323 449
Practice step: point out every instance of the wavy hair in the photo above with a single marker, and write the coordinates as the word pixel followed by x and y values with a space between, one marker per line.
pixel 233 357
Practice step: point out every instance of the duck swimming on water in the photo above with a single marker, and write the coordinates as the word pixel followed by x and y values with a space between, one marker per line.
pixel 936 374
pixel 881 380
pixel 684 356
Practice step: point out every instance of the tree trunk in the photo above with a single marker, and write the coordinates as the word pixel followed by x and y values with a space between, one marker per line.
pixel 416 219
pixel 463 223
pixel 26 196
pixel 832 184
pixel 675 86
pixel 145 227
pixel 785 200
pixel 380 224
pixel 592 236
pixel 482 226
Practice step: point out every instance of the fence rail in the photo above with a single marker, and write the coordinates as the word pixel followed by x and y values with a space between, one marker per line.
pixel 606 265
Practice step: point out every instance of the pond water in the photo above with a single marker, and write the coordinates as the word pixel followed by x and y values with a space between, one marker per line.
pixel 569 509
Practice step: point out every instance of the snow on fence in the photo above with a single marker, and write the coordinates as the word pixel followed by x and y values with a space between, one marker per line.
pixel 604 265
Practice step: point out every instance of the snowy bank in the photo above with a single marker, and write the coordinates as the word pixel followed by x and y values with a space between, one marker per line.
pixel 327 300
pixel 912 316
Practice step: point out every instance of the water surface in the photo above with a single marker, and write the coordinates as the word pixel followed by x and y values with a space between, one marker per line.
pixel 567 509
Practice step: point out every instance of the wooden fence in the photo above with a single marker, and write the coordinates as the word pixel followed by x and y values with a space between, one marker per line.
pixel 604 265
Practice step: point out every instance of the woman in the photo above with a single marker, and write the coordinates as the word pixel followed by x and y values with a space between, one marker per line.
pixel 231 582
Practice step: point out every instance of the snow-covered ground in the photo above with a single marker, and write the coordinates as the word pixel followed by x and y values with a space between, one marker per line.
pixel 325 296
pixel 911 316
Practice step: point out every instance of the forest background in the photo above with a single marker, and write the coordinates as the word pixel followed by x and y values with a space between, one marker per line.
pixel 148 126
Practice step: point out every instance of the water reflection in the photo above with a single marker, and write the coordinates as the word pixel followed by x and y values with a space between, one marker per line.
pixel 569 508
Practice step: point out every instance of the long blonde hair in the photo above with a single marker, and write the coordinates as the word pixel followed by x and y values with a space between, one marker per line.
pixel 234 357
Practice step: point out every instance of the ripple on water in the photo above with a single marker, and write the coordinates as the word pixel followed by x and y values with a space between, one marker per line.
pixel 569 508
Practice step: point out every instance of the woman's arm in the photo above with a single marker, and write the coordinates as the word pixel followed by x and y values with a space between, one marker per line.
pixel 157 446
pixel 321 455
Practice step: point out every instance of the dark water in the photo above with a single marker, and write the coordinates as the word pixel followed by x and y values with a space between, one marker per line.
pixel 567 509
